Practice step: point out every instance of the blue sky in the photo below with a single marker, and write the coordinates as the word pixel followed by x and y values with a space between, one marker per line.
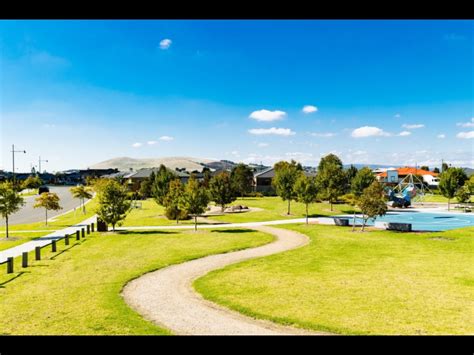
pixel 386 92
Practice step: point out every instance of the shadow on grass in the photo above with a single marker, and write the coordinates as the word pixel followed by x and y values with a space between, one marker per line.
pixel 13 278
pixel 65 250
pixel 150 232
pixel 232 231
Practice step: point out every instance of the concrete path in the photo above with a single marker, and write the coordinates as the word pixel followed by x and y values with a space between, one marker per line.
pixel 167 298
pixel 45 240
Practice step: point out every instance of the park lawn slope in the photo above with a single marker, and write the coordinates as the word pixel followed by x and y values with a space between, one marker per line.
pixel 150 214
pixel 274 208
pixel 78 292
pixel 17 238
pixel 377 282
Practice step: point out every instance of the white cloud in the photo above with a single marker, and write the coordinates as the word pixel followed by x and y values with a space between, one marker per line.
pixel 404 133
pixel 397 115
pixel 136 145
pixel 267 116
pixel 466 124
pixel 413 126
pixel 262 145
pixel 441 136
pixel 166 138
pixel 309 109
pixel 368 131
pixel 465 135
pixel 325 135
pixel 165 43
pixel 273 130
pixel 151 142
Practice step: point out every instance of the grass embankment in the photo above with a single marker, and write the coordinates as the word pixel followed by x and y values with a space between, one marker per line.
pixel 78 291
pixel 150 214
pixel 378 282
pixel 18 237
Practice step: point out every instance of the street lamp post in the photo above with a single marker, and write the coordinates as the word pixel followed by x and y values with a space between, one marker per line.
pixel 39 164
pixel 13 159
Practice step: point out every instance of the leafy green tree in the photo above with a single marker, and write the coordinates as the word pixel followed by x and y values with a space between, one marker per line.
pixel 32 182
pixel 49 201
pixel 206 172
pixel 362 180
pixel 425 167
pixel 286 175
pixel 10 201
pixel 83 193
pixel 222 190
pixel 145 186
pixel 306 191
pixel 444 167
pixel 436 170
pixel 470 184
pixel 330 178
pixel 194 199
pixel 161 184
pixel 372 202
pixel 450 181
pixel 242 178
pixel 350 173
pixel 113 203
pixel 173 206
pixel 463 194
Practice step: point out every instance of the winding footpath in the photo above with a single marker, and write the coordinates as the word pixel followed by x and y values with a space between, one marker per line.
pixel 167 298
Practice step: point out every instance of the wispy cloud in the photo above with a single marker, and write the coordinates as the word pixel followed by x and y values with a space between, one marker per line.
pixel 466 124
pixel 413 126
pixel 262 145
pixel 404 133
pixel 267 116
pixel 136 145
pixel 309 109
pixel 465 135
pixel 166 138
pixel 368 131
pixel 273 130
pixel 397 115
pixel 151 142
pixel 323 135
pixel 441 136
pixel 165 43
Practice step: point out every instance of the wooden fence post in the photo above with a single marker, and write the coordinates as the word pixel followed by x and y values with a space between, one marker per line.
pixel 88 229
pixel 66 239
pixel 77 235
pixel 53 246
pixel 24 259
pixel 92 227
pixel 38 253
pixel 83 233
pixel 9 265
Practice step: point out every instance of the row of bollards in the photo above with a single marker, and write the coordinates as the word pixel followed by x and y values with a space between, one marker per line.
pixel 24 256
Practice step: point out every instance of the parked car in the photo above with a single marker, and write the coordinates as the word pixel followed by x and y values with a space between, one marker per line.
pixel 43 189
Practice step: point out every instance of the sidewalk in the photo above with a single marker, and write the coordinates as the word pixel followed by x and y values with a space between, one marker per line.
pixel 45 240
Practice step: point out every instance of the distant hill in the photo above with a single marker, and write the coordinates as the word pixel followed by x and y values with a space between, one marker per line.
pixel 126 163
pixel 372 166
pixel 468 171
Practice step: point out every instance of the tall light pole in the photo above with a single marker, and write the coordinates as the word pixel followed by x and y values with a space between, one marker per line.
pixel 39 163
pixel 13 159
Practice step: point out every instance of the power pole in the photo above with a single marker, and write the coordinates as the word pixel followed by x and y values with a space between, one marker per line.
pixel 39 164
pixel 13 160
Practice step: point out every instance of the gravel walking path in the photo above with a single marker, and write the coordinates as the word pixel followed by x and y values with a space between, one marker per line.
pixel 167 298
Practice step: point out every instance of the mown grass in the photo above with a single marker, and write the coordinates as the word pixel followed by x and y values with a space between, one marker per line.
pixel 377 282
pixel 150 214
pixel 17 238
pixel 77 290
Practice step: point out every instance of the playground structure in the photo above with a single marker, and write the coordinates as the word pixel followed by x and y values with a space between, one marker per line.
pixel 411 188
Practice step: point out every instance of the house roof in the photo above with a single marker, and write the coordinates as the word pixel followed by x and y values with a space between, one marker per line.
pixel 409 170
pixel 270 173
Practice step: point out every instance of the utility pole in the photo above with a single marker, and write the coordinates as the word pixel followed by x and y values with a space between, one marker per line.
pixel 13 160
pixel 39 164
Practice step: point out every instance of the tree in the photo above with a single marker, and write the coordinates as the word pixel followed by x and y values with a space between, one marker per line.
pixel 285 178
pixel 470 184
pixel 436 170
pixel 306 191
pixel 242 178
pixel 49 201
pixel 350 173
pixel 173 206
pixel 450 181
pixel 32 182
pixel 330 178
pixel 10 201
pixel 113 203
pixel 81 192
pixel 161 184
pixel 363 179
pixel 425 167
pixel 206 172
pixel 372 202
pixel 222 190
pixel 463 194
pixel 444 167
pixel 194 199
pixel 145 186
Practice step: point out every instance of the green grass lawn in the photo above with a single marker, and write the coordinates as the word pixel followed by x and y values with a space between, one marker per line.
pixel 150 214
pixel 274 208
pixel 377 282
pixel 78 291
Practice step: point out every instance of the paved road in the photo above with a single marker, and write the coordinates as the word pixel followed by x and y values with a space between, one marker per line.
pixel 28 214
pixel 166 297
